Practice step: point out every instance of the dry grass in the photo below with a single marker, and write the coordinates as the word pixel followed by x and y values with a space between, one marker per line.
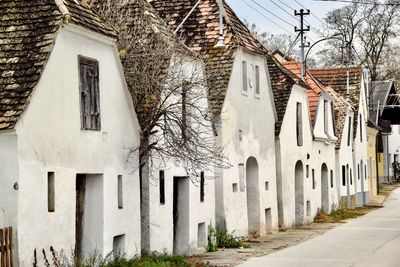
pixel 340 216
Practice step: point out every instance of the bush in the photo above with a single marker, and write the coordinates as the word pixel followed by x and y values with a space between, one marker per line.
pixel 222 239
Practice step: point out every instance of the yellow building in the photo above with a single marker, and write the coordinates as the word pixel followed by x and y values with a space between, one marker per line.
pixel 372 131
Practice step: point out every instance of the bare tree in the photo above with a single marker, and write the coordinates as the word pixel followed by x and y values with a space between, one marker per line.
pixel 168 90
pixel 368 28
pixel 284 42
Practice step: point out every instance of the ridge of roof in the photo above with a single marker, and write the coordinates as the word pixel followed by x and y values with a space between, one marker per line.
pixel 201 31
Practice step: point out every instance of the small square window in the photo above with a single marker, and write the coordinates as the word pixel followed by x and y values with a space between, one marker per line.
pixel 234 187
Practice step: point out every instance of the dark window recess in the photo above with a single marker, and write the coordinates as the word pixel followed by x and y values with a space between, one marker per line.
pixel 358 171
pixel 89 93
pixel 307 171
pixel 361 132
pixel 50 192
pixel 244 75
pixel 299 124
pixel 365 172
pixel 313 178
pixel 202 180
pixel 349 133
pixel 351 177
pixel 331 179
pixel 343 175
pixel 162 187
pixel 326 126
pixel 120 193
pixel 257 80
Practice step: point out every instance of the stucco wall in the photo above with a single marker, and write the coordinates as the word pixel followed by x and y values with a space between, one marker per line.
pixel 371 168
pixel 394 147
pixel 345 158
pixel 192 212
pixel 50 139
pixel 360 154
pixel 290 154
pixel 246 129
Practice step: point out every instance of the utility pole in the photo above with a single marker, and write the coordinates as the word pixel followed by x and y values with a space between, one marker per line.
pixel 303 41
pixel 348 57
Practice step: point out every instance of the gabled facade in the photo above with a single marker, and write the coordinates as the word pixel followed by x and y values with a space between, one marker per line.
pixel 69 182
pixel 358 87
pixel 177 204
pixel 320 191
pixel 293 146
pixel 242 105
pixel 344 117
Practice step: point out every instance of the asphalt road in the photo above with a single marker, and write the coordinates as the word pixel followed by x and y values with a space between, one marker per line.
pixel 369 241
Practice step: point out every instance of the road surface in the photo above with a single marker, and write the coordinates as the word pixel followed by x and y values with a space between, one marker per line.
pixel 372 240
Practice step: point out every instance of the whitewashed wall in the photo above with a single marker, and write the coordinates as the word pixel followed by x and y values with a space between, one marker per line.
pixel 50 139
pixel 394 146
pixel 254 116
pixel 160 232
pixel 289 154
pixel 360 153
pixel 324 153
pixel 344 157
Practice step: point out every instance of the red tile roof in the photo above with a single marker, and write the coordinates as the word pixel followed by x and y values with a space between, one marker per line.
pixel 315 88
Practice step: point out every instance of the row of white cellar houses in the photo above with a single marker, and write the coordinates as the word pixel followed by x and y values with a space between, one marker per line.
pixel 76 171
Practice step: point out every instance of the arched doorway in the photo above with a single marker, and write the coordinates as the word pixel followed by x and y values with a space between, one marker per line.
pixel 253 199
pixel 324 188
pixel 299 192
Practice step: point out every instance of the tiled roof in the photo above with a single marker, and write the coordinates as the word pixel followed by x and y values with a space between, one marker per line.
pixel 315 88
pixel 336 78
pixel 201 31
pixel 27 34
pixel 282 81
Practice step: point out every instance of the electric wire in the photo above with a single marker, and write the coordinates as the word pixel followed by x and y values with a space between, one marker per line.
pixel 273 14
pixel 359 2
pixel 270 20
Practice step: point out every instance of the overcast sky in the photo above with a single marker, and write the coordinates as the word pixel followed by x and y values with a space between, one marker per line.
pixel 275 16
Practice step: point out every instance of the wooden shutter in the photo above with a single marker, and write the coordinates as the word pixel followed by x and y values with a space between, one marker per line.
pixel 89 93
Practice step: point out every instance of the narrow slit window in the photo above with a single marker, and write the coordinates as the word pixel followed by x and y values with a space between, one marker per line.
pixel 120 193
pixel 244 75
pixel 349 132
pixel 257 70
pixel 331 179
pixel 202 181
pixel 343 175
pixel 51 191
pixel 299 124
pixel 313 178
pixel 162 187
pixel 361 132
pixel 326 129
pixel 358 171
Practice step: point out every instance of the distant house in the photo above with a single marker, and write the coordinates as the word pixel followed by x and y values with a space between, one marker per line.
pixel 242 105
pixel 383 111
pixel 344 116
pixel 319 185
pixel 66 178
pixel 336 78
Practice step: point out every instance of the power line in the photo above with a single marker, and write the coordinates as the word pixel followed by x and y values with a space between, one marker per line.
pixel 311 12
pixel 359 2
pixel 276 24
pixel 262 7
pixel 312 29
